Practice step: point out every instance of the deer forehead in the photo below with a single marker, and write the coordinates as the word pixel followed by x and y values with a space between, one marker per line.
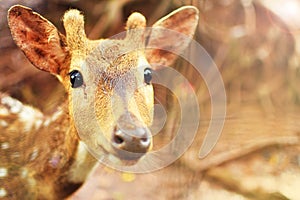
pixel 114 59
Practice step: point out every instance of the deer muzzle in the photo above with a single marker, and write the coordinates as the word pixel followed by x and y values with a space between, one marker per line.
pixel 130 139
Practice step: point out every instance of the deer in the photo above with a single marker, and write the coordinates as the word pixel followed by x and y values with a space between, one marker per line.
pixel 51 156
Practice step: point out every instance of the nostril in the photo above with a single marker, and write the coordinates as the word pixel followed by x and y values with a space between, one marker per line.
pixel 144 139
pixel 144 142
pixel 118 139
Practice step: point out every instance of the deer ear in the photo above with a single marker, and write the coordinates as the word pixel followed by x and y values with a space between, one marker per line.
pixel 41 42
pixel 172 33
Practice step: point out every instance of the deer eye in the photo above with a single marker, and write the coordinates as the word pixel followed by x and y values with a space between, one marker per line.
pixel 148 75
pixel 76 79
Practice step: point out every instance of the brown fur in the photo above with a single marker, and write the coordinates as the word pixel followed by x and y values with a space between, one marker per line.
pixel 41 153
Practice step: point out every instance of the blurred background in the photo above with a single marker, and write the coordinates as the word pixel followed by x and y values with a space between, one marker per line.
pixel 254 43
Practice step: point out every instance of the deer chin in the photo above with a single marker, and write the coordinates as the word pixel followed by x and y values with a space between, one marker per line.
pixel 117 157
pixel 121 162
pixel 127 157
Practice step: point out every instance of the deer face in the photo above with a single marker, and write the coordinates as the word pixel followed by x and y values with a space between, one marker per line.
pixel 121 104
pixel 108 81
pixel 115 93
pixel 117 96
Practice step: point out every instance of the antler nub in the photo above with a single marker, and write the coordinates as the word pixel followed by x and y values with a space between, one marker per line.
pixel 135 26
pixel 74 24
pixel 135 20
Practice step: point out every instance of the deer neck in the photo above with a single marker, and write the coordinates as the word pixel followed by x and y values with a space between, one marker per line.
pixel 67 160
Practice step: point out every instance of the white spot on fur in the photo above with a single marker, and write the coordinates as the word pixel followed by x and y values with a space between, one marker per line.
pixel 34 154
pixel 3 123
pixel 2 192
pixel 53 118
pixel 3 172
pixel 38 123
pixel 56 115
pixel 14 105
pixel 29 117
pixel 15 155
pixel 24 173
pixel 4 112
pixel 5 145
pixel 47 122
pixel 16 108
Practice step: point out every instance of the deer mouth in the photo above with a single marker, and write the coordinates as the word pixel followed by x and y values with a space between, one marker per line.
pixel 124 149
pixel 120 157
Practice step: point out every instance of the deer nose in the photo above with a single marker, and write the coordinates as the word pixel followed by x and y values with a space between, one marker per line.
pixel 130 140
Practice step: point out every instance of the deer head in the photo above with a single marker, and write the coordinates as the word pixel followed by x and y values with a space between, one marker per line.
pixel 108 81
